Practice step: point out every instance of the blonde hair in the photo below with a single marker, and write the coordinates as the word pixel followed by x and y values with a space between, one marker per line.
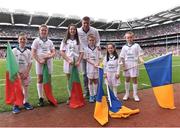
pixel 130 33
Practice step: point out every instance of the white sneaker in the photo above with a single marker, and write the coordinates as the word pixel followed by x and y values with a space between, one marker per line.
pixel 136 98
pixel 126 96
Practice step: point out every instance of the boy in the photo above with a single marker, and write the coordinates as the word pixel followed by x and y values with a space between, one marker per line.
pixel 42 51
pixel 24 59
pixel 130 54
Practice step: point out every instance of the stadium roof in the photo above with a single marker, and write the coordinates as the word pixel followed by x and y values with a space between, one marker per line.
pixel 22 17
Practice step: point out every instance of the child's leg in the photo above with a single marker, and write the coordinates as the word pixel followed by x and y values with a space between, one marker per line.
pixel 25 92
pixel 91 98
pixel 95 86
pixel 127 87
pixel 135 87
pixel 40 86
pixel 68 90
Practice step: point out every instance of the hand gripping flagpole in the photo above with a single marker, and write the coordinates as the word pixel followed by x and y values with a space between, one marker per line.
pixel 107 87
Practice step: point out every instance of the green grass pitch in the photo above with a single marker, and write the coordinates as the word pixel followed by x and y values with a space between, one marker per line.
pixel 59 82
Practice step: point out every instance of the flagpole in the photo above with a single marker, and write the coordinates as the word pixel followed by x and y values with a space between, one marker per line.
pixel 107 87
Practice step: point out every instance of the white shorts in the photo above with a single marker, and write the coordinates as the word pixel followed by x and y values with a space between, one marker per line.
pixel 39 67
pixel 93 75
pixel 67 67
pixel 112 81
pixel 131 72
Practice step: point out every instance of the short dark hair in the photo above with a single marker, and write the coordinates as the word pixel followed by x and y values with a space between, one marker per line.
pixel 43 26
pixel 86 18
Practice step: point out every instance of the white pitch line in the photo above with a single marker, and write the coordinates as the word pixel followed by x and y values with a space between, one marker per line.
pixel 145 84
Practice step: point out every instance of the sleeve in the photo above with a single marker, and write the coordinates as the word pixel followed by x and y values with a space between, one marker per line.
pixel 97 37
pixel 29 57
pixel 80 48
pixel 122 53
pixel 118 68
pixel 62 46
pixel 105 65
pixel 52 46
pixel 34 44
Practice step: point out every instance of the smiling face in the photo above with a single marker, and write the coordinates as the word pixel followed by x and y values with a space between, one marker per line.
pixel 43 31
pixel 22 39
pixel 129 37
pixel 72 31
pixel 110 49
pixel 85 25
pixel 91 41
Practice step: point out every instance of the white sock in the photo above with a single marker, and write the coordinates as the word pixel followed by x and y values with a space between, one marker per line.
pixel 90 89
pixel 127 87
pixel 95 89
pixel 25 92
pixel 40 90
pixel 135 89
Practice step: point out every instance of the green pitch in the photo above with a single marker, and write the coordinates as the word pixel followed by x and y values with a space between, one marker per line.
pixel 59 82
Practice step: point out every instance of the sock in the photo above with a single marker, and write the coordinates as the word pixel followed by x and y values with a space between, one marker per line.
pixel 40 90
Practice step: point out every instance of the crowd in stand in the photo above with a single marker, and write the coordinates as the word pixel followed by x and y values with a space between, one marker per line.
pixel 166 29
pixel 161 30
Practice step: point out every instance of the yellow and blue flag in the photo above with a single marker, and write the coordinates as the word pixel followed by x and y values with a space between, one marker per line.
pixel 159 71
pixel 101 107
pixel 116 110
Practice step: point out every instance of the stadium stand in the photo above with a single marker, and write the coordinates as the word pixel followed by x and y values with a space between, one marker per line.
pixel 156 34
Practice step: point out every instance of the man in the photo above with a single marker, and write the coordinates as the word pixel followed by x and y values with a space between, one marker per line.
pixel 83 33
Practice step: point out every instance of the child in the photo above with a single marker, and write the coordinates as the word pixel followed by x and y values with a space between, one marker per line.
pixel 130 54
pixel 71 50
pixel 23 57
pixel 112 68
pixel 92 56
pixel 42 51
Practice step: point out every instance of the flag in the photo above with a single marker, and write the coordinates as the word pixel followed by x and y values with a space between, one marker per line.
pixel 159 71
pixel 116 110
pixel 76 98
pixel 101 107
pixel 47 85
pixel 14 94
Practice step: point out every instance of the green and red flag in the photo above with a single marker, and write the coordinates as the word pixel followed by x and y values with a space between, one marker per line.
pixel 76 98
pixel 47 85
pixel 13 89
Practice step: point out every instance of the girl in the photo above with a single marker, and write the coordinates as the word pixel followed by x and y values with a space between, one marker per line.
pixel 24 59
pixel 112 68
pixel 70 50
pixel 130 54
pixel 92 56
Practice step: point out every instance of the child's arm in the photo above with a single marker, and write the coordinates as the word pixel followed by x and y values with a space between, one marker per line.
pixel 79 58
pixel 50 55
pixel 63 54
pixel 34 55
pixel 141 59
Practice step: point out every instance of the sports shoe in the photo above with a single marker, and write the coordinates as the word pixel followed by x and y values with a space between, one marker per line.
pixel 126 96
pixel 67 102
pixel 91 99
pixel 136 98
pixel 41 102
pixel 16 109
pixel 95 98
pixel 27 106
pixel 86 95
